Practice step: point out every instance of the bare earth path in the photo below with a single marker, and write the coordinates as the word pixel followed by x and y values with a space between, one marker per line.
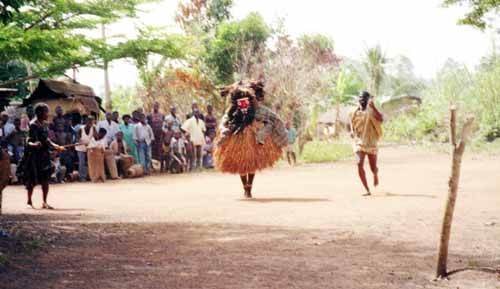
pixel 307 228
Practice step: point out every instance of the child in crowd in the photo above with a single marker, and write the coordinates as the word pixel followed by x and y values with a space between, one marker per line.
pixel 165 159
pixel 208 151
pixel 168 134
pixel 178 154
pixel 190 158
pixel 60 171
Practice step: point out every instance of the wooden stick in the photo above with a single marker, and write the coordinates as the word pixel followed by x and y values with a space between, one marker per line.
pixel 453 182
pixel 453 126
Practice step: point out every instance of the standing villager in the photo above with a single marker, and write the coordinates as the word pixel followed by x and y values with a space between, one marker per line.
pixel 85 134
pixel 157 119
pixel 172 117
pixel 195 127
pixel 252 137
pixel 127 128
pixel 210 120
pixel 290 150
pixel 36 166
pixel 116 117
pixel 168 134
pixel 366 131
pixel 143 137
pixel 110 126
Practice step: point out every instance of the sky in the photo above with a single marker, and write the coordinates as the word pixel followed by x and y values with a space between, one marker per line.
pixel 422 30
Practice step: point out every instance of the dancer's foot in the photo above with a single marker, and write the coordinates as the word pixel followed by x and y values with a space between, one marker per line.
pixel 248 191
pixel 29 205
pixel 367 194
pixel 46 206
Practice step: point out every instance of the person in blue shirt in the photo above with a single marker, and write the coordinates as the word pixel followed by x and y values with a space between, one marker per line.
pixel 292 138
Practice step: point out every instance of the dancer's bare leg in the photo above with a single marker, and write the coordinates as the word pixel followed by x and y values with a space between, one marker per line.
pixel 45 190
pixel 372 160
pixel 30 196
pixel 361 172
pixel 244 181
pixel 250 184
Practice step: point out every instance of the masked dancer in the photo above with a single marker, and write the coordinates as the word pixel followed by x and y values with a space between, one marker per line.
pixel 251 136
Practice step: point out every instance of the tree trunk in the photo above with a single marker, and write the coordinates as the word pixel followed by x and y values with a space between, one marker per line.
pixel 453 182
pixel 107 90
pixel 9 83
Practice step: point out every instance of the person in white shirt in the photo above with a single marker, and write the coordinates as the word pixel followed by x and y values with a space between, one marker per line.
pixel 8 127
pixel 195 126
pixel 110 126
pixel 99 141
pixel 84 136
pixel 143 137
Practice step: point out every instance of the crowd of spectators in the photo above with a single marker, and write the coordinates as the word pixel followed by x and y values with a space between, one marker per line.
pixel 158 142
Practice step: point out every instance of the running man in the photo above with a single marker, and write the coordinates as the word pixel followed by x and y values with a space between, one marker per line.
pixel 366 131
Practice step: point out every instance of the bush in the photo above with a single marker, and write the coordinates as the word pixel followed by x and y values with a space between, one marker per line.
pixel 323 151
pixel 472 93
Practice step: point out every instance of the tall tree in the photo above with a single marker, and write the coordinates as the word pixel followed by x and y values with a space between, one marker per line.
pixel 375 62
pixel 479 10
pixel 236 44
pixel 203 16
pixel 51 35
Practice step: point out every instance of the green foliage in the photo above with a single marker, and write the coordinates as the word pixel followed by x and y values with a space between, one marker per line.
pixel 218 11
pixel 321 151
pixel 203 17
pixel 401 80
pixel 347 86
pixel 14 70
pixel 51 35
pixel 475 93
pixel 479 11
pixel 375 62
pixel 233 42
pixel 318 47
pixel 8 8
pixel 126 99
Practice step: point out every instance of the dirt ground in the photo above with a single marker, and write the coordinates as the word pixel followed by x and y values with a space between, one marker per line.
pixel 308 227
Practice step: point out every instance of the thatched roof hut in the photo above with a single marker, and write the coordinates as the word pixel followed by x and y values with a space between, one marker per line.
pixel 401 105
pixel 330 117
pixel 71 96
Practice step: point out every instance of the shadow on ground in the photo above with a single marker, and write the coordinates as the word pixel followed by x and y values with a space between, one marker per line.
pixel 187 255
pixel 285 200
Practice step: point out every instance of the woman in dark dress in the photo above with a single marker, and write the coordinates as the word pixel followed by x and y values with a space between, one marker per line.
pixel 36 166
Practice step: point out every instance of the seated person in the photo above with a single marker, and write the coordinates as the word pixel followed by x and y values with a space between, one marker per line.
pixel 15 141
pixel 60 171
pixel 99 141
pixel 178 154
pixel 120 151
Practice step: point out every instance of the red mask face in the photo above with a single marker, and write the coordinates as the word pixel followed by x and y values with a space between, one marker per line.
pixel 243 103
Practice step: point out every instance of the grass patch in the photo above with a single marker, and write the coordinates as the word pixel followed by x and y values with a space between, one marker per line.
pixel 324 151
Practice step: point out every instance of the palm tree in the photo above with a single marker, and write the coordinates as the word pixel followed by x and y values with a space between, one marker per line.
pixel 375 61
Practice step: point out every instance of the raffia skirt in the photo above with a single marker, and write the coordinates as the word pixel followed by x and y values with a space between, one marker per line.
pixel 241 154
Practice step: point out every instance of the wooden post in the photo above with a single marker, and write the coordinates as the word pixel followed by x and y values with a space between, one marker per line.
pixel 107 89
pixel 458 151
